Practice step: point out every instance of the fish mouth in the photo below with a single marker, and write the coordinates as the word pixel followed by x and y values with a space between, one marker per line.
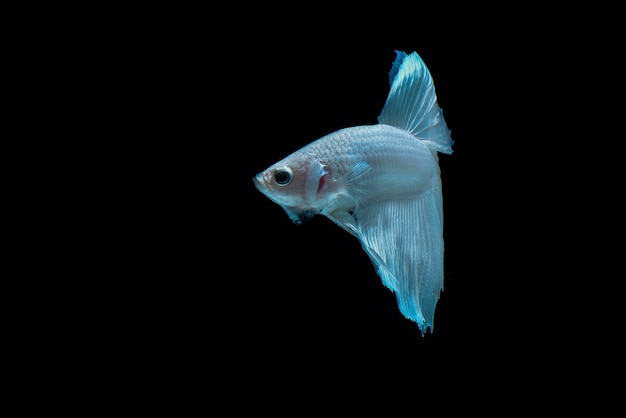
pixel 258 180
pixel 261 185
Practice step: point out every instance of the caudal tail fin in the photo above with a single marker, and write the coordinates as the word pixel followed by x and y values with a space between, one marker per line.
pixel 412 103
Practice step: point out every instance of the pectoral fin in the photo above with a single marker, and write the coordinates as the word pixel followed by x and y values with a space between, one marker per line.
pixel 341 207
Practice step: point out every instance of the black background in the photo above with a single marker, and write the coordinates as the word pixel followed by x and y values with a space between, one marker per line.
pixel 222 289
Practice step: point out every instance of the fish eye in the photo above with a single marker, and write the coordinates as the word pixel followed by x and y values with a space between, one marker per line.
pixel 282 176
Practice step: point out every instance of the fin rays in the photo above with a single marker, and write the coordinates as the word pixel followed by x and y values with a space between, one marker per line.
pixel 404 240
pixel 412 103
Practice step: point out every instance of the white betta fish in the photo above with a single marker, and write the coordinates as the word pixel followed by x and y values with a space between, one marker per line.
pixel 382 184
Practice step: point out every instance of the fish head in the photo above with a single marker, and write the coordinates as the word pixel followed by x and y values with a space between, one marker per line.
pixel 295 183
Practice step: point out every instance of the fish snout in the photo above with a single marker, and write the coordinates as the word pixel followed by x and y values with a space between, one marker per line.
pixel 259 180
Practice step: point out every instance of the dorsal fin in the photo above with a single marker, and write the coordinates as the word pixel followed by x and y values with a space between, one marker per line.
pixel 412 103
pixel 400 56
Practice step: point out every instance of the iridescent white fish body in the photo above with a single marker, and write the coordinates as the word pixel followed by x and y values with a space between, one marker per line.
pixel 382 184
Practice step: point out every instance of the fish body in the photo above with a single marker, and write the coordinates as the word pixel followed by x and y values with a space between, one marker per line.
pixel 382 184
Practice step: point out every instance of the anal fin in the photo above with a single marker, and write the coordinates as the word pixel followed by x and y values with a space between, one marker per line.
pixel 404 239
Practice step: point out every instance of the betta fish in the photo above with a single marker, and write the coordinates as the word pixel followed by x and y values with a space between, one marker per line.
pixel 382 184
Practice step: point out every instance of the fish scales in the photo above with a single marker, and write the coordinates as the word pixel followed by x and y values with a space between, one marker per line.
pixel 400 166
